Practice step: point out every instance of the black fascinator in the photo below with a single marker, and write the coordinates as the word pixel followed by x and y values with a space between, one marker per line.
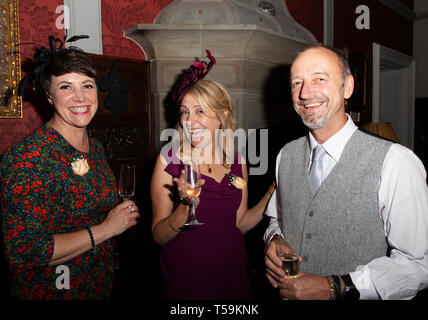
pixel 44 56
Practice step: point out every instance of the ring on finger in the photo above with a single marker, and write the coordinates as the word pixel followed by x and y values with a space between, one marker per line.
pixel 131 208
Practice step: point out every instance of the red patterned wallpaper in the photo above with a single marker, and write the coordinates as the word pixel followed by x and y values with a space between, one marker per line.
pixel 36 22
pixel 118 16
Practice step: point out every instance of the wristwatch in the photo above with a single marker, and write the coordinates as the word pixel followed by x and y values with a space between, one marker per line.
pixel 350 292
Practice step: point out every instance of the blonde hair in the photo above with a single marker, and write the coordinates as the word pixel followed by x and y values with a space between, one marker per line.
pixel 212 96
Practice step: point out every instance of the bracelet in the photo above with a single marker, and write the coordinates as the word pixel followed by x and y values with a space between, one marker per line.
pixel 185 200
pixel 336 280
pixel 333 295
pixel 93 247
pixel 170 225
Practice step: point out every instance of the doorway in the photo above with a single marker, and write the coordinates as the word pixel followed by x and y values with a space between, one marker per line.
pixel 394 92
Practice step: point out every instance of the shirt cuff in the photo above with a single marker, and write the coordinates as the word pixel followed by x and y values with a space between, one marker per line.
pixel 363 283
pixel 272 230
pixel 268 237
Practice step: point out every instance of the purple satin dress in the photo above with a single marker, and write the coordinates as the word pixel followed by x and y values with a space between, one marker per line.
pixel 208 262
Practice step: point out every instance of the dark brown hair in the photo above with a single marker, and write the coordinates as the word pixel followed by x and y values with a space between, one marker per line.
pixel 67 61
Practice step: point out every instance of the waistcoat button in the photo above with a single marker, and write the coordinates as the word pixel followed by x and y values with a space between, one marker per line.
pixel 308 236
pixel 311 213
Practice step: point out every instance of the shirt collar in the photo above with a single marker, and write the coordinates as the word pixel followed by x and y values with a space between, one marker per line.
pixel 335 144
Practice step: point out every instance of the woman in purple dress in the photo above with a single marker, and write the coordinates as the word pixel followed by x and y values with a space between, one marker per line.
pixel 208 261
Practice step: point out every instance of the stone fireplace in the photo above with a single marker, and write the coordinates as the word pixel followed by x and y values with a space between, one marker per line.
pixel 250 40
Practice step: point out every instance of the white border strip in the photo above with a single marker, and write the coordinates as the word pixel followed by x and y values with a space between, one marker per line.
pixel 85 18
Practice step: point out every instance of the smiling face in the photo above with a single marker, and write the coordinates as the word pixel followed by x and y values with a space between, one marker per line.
pixel 319 89
pixel 74 96
pixel 198 122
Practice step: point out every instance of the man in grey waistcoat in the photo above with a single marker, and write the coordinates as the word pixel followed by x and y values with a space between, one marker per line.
pixel 353 206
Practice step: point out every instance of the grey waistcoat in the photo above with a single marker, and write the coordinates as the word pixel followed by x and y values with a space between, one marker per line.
pixel 340 227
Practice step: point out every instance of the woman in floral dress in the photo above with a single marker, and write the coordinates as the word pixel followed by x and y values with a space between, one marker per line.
pixel 59 202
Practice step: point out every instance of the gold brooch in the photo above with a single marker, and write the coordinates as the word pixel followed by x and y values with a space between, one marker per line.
pixel 80 166
pixel 237 182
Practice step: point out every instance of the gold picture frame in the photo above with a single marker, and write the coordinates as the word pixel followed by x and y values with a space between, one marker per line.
pixel 10 61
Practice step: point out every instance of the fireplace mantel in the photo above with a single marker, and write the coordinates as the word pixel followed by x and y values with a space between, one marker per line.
pixel 247 50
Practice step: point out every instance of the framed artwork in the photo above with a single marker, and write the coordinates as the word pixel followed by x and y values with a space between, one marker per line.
pixel 10 62
pixel 358 65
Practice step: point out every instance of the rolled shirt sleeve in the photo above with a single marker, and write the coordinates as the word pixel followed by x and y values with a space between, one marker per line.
pixel 403 203
pixel 272 212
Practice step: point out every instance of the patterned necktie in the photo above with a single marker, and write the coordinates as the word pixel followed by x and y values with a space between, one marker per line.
pixel 315 173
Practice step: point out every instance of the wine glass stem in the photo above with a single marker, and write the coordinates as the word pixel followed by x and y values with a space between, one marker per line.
pixel 193 214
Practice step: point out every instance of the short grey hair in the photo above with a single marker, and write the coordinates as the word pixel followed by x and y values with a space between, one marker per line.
pixel 344 65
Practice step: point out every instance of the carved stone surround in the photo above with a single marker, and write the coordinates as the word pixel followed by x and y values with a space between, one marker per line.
pixel 247 42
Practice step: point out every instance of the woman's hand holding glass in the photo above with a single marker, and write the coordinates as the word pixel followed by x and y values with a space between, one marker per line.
pixel 121 218
pixel 182 186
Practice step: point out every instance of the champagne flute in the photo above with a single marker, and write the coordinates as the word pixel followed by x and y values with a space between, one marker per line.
pixel 127 181
pixel 126 192
pixel 193 188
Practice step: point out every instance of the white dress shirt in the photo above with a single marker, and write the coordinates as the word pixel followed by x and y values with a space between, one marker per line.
pixel 403 205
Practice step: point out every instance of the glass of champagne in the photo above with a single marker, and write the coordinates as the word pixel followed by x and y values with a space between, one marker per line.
pixel 193 188
pixel 290 258
pixel 290 264
pixel 127 181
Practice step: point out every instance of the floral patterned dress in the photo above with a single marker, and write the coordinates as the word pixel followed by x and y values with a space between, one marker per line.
pixel 41 196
